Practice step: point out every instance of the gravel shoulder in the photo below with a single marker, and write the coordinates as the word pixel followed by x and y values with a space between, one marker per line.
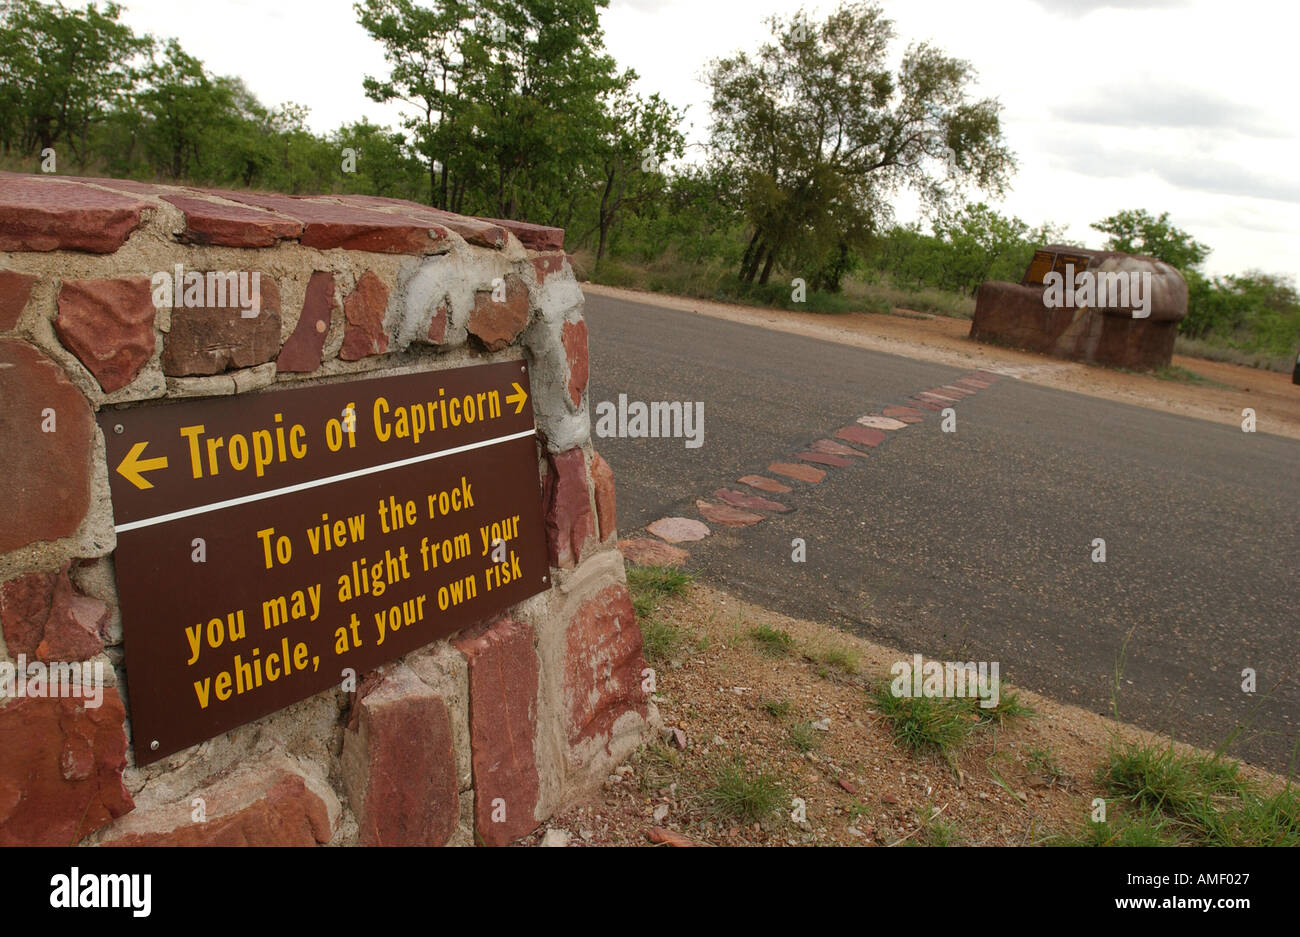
pixel 804 720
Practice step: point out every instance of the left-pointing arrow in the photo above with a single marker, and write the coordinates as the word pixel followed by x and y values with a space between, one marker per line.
pixel 133 466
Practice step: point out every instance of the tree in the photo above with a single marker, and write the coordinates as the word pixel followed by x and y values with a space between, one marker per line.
pixel 425 50
pixel 821 132
pixel 511 99
pixel 1137 232
pixel 61 71
pixel 183 109
pixel 643 134
pixel 384 164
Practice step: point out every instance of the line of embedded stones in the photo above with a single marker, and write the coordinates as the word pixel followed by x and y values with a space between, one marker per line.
pixel 742 509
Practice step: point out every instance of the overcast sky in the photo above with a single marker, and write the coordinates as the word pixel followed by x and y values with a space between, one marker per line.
pixel 1185 106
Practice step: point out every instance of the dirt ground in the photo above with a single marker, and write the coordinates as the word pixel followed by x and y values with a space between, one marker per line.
pixel 1275 400
pixel 727 696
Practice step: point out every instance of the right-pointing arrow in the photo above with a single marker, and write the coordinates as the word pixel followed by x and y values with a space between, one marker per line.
pixel 518 398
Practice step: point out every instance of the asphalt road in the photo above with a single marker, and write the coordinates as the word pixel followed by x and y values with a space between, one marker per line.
pixel 977 545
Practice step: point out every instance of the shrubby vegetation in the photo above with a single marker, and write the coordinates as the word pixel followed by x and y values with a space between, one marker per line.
pixel 515 110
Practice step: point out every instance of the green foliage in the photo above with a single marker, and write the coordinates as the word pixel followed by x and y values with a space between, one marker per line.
pixel 61 72
pixel 657 582
pixel 648 585
pixel 1253 312
pixel 772 641
pixel 741 794
pixel 964 249
pixel 922 723
pixel 803 736
pixel 1136 231
pixel 1194 798
pixel 778 708
pixel 817 129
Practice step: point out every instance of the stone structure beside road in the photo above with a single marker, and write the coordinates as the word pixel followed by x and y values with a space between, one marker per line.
pixel 477 738
pixel 1017 314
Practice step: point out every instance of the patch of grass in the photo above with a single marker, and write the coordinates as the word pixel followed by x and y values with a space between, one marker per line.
pixel 884 297
pixel 772 641
pixel 843 659
pixel 1173 372
pixel 778 708
pixel 1008 706
pixel 742 794
pixel 803 736
pixel 660 640
pixel 1042 762
pixel 1230 354
pixel 924 724
pixel 649 584
pixel 1123 829
pixel 1202 798
pixel 660 767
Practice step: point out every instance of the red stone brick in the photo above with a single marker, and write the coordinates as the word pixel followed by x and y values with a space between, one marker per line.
pixel 602 479
pixel 503 675
pixel 726 515
pixel 108 325
pixel 824 458
pixel 15 290
pixel 546 264
pixel 906 414
pixel 567 505
pixel 44 214
pixel 602 666
pixel 678 529
pixel 329 224
pixel 803 473
pixel 738 499
pixel 763 483
pixel 574 337
pixel 260 806
pixel 496 324
pixel 302 350
pixel 533 236
pixel 44 617
pixel 399 764
pixel 47 475
pixel 230 225
pixel 831 447
pixel 924 404
pixel 863 435
pixel 61 773
pixel 364 310
pixel 212 339
pixel 473 230
pixel 646 552
pixel 438 325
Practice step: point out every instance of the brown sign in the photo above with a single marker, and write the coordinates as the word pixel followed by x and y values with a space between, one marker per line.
pixel 269 546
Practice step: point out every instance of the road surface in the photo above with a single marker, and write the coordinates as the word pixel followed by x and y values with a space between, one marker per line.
pixel 978 544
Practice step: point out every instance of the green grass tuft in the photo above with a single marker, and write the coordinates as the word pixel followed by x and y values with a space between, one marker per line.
pixel 772 641
pixel 742 794
pixel 924 724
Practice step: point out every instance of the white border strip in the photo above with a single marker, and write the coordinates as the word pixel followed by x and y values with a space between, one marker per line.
pixel 303 486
